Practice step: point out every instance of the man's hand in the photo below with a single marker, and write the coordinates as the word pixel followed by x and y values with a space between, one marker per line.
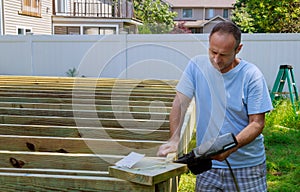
pixel 170 147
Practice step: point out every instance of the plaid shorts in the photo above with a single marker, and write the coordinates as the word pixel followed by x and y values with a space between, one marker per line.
pixel 249 179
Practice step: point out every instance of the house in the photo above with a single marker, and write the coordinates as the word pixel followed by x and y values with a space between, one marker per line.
pixel 19 17
pixel 1 18
pixel 46 17
pixel 94 17
pixel 201 15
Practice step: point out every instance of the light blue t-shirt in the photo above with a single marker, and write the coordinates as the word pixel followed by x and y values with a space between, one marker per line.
pixel 223 103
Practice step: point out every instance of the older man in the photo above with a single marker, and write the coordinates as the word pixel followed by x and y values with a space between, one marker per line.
pixel 231 96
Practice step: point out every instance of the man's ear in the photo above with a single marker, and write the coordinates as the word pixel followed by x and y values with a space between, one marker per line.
pixel 238 49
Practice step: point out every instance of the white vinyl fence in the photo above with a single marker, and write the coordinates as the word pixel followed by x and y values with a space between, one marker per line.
pixel 136 56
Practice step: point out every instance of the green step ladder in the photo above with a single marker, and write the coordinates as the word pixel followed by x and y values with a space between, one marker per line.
pixel 286 72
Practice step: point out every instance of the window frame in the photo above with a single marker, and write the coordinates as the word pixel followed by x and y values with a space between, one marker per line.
pixel 187 13
pixel 210 13
pixel 85 26
pixel 31 8
pixel 226 13
pixel 24 29
pixel 100 30
pixel 61 7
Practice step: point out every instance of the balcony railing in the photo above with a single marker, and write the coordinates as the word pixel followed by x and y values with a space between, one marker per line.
pixel 95 8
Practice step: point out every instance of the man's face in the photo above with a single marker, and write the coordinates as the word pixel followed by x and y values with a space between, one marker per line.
pixel 222 51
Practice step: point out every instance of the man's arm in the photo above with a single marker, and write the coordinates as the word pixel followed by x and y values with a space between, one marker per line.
pixel 179 107
pixel 247 135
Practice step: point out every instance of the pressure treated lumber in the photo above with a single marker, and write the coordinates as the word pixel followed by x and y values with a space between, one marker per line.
pixel 46 182
pixel 78 145
pixel 83 113
pixel 70 106
pixel 63 134
pixel 148 171
pixel 91 122
pixel 84 132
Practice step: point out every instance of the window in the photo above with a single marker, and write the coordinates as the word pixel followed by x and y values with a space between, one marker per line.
pixel 107 30
pixel 31 8
pixel 61 6
pixel 91 30
pixel 187 13
pixel 196 30
pixel 225 13
pixel 210 13
pixel 99 30
pixel 23 30
pixel 67 30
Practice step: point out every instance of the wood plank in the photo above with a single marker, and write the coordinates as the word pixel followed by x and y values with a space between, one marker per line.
pixel 92 85
pixel 85 122
pixel 45 182
pixel 84 113
pixel 84 132
pixel 78 145
pixel 56 172
pixel 85 101
pixel 148 171
pixel 110 96
pixel 122 89
pixel 95 91
pixel 91 91
pixel 69 80
pixel 188 128
pixel 70 106
pixel 52 160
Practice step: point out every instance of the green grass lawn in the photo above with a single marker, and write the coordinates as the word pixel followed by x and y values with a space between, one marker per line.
pixel 282 142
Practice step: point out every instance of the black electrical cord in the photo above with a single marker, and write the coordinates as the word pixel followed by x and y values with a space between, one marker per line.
pixel 233 176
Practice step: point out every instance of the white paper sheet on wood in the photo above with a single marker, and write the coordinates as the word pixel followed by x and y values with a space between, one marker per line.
pixel 130 160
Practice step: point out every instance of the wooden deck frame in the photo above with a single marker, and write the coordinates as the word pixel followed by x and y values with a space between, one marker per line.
pixel 61 134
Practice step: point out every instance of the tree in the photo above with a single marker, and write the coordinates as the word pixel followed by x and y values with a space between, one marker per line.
pixel 180 28
pixel 155 15
pixel 267 16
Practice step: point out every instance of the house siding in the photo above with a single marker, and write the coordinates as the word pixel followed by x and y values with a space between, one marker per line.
pixel 38 25
pixel 197 14
pixel 217 11
pixel 200 13
pixel 1 18
pixel 204 12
